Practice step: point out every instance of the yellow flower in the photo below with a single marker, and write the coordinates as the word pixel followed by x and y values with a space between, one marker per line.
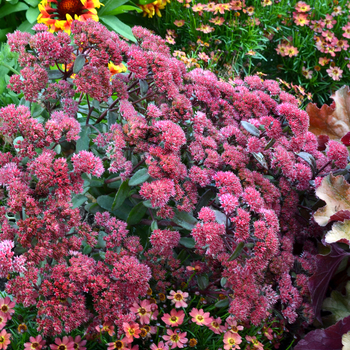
pixel 153 8
pixel 60 16
pixel 120 68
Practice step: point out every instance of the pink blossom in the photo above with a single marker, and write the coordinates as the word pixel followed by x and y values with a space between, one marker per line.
pixel 174 319
pixel 178 298
pixel 158 192
pixel 87 162
pixel 200 317
pixel 64 343
pixel 142 310
pixel 175 338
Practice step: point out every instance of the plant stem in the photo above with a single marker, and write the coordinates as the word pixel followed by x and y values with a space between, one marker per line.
pixel 10 68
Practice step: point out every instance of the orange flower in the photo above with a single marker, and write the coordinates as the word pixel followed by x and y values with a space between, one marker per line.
pixel 60 16
pixel 179 23
pixel 217 20
pixel 153 8
pixel 291 51
pixel 120 68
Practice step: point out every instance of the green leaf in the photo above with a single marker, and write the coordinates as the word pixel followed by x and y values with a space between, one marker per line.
pixel 136 214
pixel 101 243
pixel 33 3
pixel 253 130
pixel 204 200
pixel 87 250
pixel 96 182
pixel 54 74
pixel 185 220
pixel 188 242
pixel 237 251
pixel 36 110
pixel 84 140
pixel 223 281
pixel 78 64
pixel 118 26
pixel 203 281
pixel 143 87
pixel 139 177
pixel 121 195
pixel 222 303
pixel 93 208
pixel 111 5
pixel 105 202
pixel 145 2
pixel 9 8
pixel 32 14
pixel 154 225
pixel 78 200
pixel 111 118
pixel 123 9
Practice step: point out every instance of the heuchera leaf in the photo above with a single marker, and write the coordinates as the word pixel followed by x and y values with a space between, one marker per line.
pixel 333 120
pixel 325 339
pixel 327 265
pixel 338 304
pixel 340 232
pixel 340 215
pixel 335 191
pixel 346 139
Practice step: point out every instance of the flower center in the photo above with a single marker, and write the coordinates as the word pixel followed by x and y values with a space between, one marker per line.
pixel 231 341
pixel 76 346
pixel 131 331
pixel 234 329
pixel 62 347
pixel 142 311
pixel 178 296
pixel 215 324
pixel 34 345
pixel 118 344
pixel 71 7
pixel 200 318
pixel 4 308
pixel 173 318
pixel 143 332
pixel 2 339
pixel 174 338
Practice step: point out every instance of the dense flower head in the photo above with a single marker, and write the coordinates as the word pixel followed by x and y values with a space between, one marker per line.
pixel 213 166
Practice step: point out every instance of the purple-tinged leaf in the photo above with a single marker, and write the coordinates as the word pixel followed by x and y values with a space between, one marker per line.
pixel 346 139
pixel 325 339
pixel 340 215
pixel 327 265
pixel 322 142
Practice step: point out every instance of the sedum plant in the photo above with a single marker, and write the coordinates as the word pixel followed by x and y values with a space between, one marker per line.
pixel 156 177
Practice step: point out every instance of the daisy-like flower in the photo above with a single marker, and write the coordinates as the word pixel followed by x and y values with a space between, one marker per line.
pixel 215 325
pixel 78 343
pixel 131 329
pixel 346 29
pixel 236 5
pixel 175 318
pixel 170 40
pixel 175 338
pixel 335 73
pixel 301 6
pixel 337 11
pixel 200 317
pixel 323 61
pixel 35 343
pixel 249 10
pixel 161 346
pixel 120 344
pixel 256 345
pixel 58 15
pixel 106 327
pixel 281 50
pixel 179 22
pixel 231 325
pixel 142 310
pixel 4 339
pixel 7 307
pixel 291 51
pixel 3 321
pixel 178 298
pixel 210 7
pixel 232 340
pixel 217 20
pixel 307 73
pixel 300 19
pixel 64 344
pixel 203 56
pixel 198 8
pixel 205 29
pixel 265 3
pixel 22 328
